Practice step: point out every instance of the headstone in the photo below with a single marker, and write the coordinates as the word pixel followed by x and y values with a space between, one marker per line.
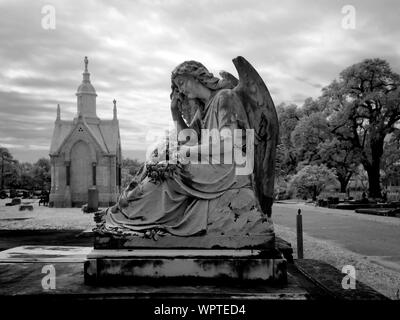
pixel 93 200
pixel 23 207
pixel 14 202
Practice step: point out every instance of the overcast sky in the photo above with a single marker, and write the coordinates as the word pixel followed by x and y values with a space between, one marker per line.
pixel 297 46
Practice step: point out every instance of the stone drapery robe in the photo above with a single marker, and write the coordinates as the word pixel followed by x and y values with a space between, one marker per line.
pixel 189 203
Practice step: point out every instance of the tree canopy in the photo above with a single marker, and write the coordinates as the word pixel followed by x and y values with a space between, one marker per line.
pixel 365 104
pixel 352 123
pixel 16 175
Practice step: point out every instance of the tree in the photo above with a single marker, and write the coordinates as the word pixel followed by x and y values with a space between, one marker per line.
pixel 313 179
pixel 311 106
pixel 126 178
pixel 12 175
pixel 366 106
pixel 340 156
pixel 131 165
pixel 309 132
pixel 286 158
pixel 41 174
pixel 27 180
pixel 391 159
pixel 288 117
pixel 9 172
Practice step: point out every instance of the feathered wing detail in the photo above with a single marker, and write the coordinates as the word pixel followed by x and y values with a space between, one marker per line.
pixel 262 117
pixel 228 79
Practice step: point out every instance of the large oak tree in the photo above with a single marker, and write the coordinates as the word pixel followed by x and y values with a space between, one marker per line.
pixel 365 102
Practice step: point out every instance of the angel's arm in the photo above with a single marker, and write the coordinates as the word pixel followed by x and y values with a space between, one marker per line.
pixel 178 120
pixel 176 114
pixel 226 122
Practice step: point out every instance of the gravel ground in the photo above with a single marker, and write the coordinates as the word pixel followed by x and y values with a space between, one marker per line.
pixel 43 217
pixel 381 279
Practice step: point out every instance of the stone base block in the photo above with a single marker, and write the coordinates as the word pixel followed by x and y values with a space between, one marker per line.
pixel 184 266
pixel 259 242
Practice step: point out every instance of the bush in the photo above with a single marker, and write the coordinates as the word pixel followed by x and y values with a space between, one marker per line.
pixel 311 180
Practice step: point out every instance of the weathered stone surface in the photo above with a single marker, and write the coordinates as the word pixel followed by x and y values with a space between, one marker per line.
pixel 112 266
pixel 199 242
pixel 44 254
pixel 330 280
pixel 22 279
pixel 236 213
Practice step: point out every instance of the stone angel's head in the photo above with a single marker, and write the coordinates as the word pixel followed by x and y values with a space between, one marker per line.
pixel 189 71
pixel 193 83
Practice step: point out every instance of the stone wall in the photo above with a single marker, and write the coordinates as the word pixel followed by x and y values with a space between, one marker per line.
pixel 105 178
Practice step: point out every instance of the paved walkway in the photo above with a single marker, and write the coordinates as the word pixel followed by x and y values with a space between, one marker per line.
pixel 373 236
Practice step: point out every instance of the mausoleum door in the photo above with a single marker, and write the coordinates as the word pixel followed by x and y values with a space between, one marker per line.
pixel 81 173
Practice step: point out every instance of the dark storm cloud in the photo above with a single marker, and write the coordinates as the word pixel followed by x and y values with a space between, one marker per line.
pixel 16 105
pixel 297 47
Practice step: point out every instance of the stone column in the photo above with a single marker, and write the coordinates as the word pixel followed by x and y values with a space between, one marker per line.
pixel 53 188
pixel 113 179
pixel 53 174
pixel 119 176
pixel 68 173
pixel 67 194
pixel 94 177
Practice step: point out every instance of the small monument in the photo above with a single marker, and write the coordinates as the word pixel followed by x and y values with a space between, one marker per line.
pixel 85 153
pixel 199 210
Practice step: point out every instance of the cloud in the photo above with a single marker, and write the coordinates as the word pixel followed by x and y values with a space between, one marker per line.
pixel 297 47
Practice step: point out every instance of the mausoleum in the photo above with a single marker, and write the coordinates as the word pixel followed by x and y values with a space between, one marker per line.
pixel 85 153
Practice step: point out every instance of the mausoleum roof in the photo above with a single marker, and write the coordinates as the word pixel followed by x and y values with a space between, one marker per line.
pixel 105 133
pixel 60 132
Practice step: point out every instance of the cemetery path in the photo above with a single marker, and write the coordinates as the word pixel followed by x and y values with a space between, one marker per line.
pixel 16 238
pixel 374 237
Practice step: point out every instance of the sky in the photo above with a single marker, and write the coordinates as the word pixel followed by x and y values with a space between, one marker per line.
pixel 298 47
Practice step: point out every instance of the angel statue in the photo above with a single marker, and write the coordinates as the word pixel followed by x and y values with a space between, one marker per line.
pixel 202 198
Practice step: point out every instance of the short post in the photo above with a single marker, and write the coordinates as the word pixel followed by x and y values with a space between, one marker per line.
pixel 299 235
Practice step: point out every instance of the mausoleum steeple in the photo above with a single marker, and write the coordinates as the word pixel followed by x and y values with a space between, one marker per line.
pixel 58 112
pixel 86 95
pixel 115 110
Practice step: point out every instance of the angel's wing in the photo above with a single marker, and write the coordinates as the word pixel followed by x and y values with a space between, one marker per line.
pixel 228 80
pixel 262 117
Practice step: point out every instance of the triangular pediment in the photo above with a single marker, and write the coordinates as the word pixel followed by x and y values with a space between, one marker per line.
pixel 81 131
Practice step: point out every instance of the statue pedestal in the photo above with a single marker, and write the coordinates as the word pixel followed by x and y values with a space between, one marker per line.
pixel 213 241
pixel 186 263
pixel 183 266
